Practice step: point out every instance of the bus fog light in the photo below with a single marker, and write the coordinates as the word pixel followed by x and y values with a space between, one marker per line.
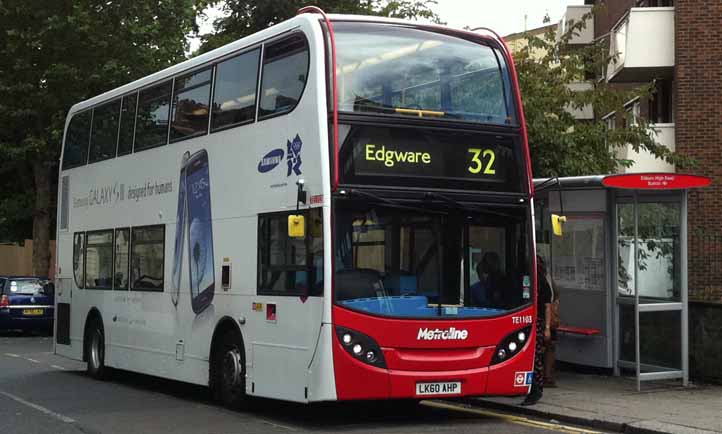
pixel 357 349
pixel 512 346
pixel 501 354
pixel 521 336
pixel 346 339
pixel 370 356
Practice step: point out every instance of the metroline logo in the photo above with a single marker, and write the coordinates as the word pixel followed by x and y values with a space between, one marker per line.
pixel 450 334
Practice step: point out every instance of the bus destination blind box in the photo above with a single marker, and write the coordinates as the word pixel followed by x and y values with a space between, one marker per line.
pixel 422 157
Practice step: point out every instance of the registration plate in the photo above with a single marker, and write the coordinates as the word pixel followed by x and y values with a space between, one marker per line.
pixel 31 312
pixel 446 388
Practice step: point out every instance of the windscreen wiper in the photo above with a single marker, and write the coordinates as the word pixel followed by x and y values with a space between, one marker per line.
pixel 461 206
pixel 389 110
pixel 386 202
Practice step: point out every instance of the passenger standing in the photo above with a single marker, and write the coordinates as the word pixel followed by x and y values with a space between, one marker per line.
pixel 550 343
pixel 543 333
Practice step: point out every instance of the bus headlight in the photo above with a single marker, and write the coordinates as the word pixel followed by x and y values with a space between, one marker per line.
pixel 511 345
pixel 361 347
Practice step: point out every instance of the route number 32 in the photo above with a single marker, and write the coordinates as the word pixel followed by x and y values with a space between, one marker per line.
pixel 478 157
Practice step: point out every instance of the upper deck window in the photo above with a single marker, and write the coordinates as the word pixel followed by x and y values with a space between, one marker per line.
pixel 77 139
pixel 127 124
pixel 406 71
pixel 105 131
pixel 285 71
pixel 151 127
pixel 191 94
pixel 234 97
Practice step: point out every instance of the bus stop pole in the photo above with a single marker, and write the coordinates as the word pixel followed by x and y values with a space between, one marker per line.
pixel 683 291
pixel 636 293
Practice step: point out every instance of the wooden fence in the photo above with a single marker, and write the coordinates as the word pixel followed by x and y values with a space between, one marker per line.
pixel 17 260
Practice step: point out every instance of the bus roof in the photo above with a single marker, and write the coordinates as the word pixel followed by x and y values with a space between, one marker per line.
pixel 248 41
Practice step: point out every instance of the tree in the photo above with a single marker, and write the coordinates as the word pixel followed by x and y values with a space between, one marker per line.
pixel 242 18
pixel 560 144
pixel 55 54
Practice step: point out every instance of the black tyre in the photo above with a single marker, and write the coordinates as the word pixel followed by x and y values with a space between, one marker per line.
pixel 95 351
pixel 228 371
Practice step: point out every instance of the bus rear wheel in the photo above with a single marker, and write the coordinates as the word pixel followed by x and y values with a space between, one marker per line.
pixel 95 351
pixel 229 371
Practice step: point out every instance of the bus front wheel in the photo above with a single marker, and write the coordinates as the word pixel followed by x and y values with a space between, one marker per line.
pixel 229 371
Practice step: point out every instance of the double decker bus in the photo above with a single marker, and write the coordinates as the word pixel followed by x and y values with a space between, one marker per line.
pixel 334 208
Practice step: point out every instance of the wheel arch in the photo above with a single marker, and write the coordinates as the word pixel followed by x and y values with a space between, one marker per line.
pixel 224 325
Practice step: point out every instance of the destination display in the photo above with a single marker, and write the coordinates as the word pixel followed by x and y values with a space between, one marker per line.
pixel 423 158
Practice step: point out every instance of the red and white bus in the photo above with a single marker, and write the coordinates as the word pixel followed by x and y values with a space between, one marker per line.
pixel 334 208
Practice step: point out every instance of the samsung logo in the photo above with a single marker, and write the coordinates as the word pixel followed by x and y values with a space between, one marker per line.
pixel 450 334
pixel 270 160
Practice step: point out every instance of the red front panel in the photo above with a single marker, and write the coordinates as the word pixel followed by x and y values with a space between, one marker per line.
pixel 413 356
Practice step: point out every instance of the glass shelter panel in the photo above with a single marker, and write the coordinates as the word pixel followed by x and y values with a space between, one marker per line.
pixel 578 256
pixel 658 250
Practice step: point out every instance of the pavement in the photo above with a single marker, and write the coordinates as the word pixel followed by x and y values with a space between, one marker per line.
pixel 613 404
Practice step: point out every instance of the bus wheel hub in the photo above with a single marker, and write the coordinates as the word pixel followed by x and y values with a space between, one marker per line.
pixel 232 367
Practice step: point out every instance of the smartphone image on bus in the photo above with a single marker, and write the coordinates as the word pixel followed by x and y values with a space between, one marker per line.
pixel 180 233
pixel 200 231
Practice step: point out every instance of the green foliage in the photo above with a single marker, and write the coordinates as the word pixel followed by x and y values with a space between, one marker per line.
pixel 560 144
pixel 58 53
pixel 242 18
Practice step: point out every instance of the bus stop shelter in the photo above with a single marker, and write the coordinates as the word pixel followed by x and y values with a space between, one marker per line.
pixel 620 269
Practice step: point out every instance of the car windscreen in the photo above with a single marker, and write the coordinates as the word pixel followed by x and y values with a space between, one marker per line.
pixel 24 287
pixel 403 70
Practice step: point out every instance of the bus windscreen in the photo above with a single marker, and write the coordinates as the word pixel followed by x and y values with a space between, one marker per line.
pixel 403 70
pixel 427 263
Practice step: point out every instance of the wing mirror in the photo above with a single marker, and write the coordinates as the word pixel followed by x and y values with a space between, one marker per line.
pixel 296 226
pixel 296 222
pixel 557 224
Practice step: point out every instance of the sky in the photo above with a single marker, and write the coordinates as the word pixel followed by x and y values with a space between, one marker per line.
pixel 502 16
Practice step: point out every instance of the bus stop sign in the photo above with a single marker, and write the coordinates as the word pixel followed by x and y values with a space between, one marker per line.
pixel 655 181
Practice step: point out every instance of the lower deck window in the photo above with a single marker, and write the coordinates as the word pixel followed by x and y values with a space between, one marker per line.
pixel 290 266
pixel 99 260
pixel 147 258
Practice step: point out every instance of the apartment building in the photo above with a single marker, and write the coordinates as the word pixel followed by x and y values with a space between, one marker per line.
pixel 677 45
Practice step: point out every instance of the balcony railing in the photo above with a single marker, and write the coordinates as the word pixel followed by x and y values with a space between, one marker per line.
pixel 643 43
pixel 586 111
pixel 575 13
pixel 646 162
